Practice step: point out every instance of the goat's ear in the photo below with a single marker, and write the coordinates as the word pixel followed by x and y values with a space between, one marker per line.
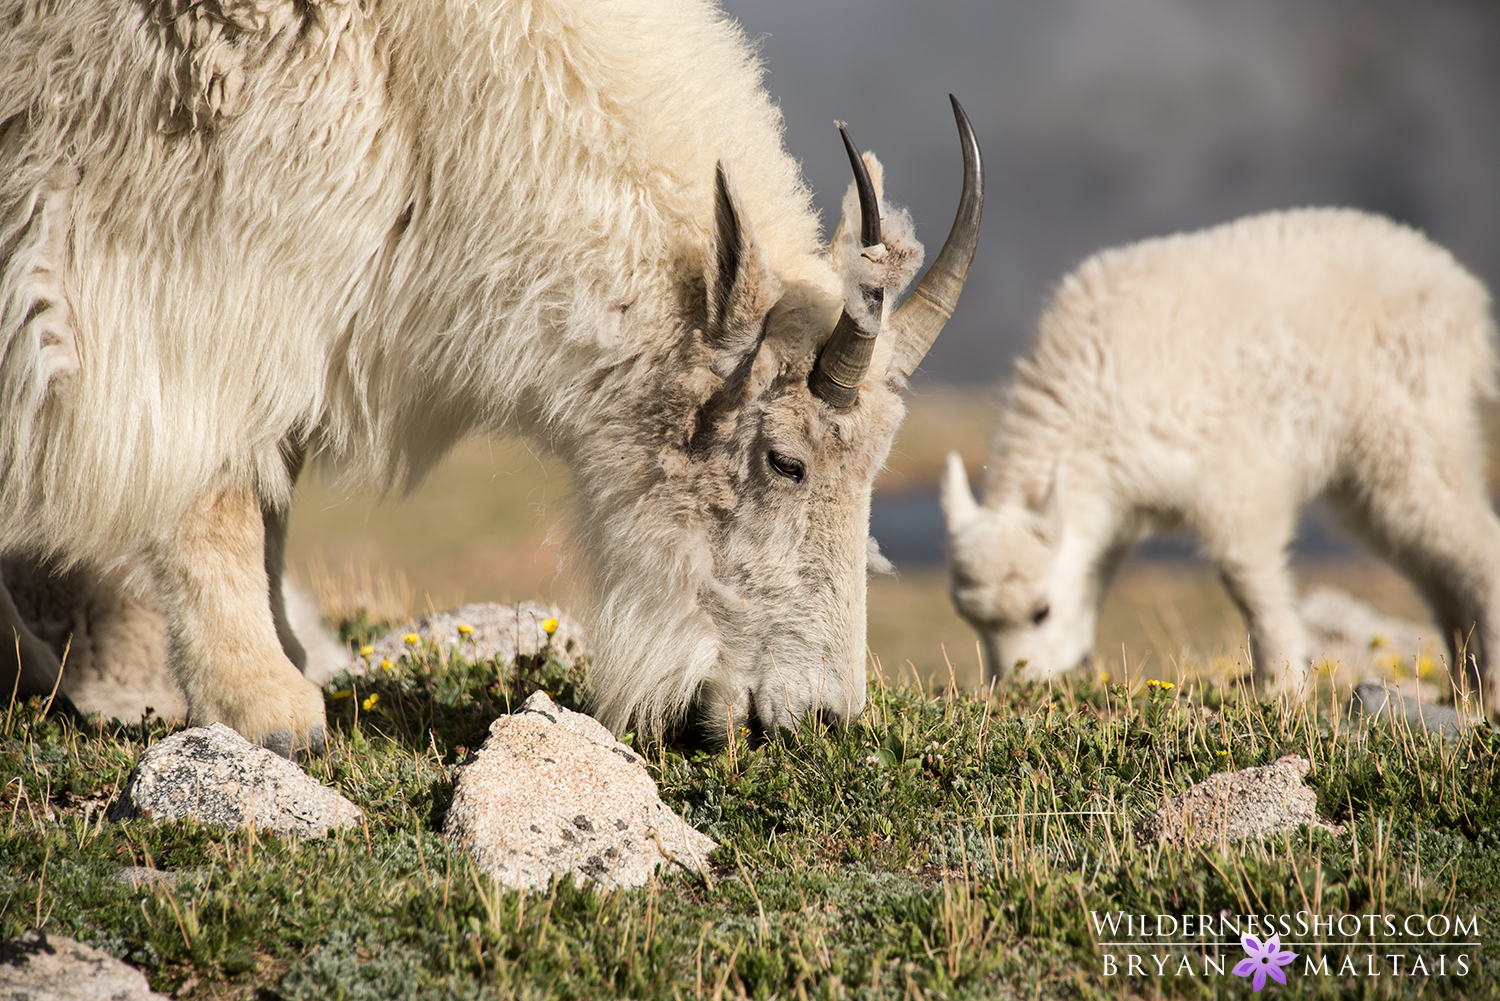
pixel 742 288
pixel 959 507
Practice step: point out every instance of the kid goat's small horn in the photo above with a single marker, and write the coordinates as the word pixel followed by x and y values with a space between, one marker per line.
pixel 845 359
pixel 920 319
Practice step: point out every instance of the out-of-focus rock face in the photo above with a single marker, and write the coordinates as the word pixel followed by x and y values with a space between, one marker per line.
pixel 1107 121
pixel 502 631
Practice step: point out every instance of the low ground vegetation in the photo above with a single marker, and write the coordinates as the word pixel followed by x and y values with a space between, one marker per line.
pixel 945 845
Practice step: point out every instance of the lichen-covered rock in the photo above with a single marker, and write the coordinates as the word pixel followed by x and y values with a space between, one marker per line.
pixel 42 967
pixel 218 777
pixel 1233 806
pixel 552 792
pixel 501 631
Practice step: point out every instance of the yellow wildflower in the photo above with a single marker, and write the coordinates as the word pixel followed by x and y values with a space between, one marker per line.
pixel 386 666
pixel 411 639
pixel 365 651
pixel 550 625
pixel 465 631
pixel 1153 683
pixel 372 701
pixel 1168 685
pixel 343 693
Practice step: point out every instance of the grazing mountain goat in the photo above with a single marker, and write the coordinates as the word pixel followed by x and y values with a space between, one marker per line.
pixel 235 235
pixel 1216 380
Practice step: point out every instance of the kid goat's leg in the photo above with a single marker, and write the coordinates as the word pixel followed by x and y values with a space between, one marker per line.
pixel 1446 538
pixel 1261 587
pixel 1247 535
pixel 226 653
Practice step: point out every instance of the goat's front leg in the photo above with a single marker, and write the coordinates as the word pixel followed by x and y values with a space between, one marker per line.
pixel 225 650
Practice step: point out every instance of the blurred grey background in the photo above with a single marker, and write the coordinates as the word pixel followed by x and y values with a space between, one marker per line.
pixel 1106 121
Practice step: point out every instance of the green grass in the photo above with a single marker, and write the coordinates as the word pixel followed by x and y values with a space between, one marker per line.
pixel 943 846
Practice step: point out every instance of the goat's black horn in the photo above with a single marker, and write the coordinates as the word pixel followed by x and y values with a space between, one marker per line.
pixel 921 318
pixel 845 360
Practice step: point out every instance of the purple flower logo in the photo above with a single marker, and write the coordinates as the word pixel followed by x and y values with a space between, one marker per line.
pixel 1263 961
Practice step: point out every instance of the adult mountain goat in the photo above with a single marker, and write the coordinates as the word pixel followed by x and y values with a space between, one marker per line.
pixel 236 234
pixel 1217 380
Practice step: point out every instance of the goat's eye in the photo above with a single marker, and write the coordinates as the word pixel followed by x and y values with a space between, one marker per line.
pixel 787 466
pixel 1040 615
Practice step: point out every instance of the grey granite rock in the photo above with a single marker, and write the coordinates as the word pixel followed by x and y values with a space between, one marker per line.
pixel 551 792
pixel 42 967
pixel 218 777
pixel 1233 806
pixel 501 631
pixel 1377 700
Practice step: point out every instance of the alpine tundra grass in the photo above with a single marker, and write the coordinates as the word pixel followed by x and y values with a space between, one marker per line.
pixel 944 845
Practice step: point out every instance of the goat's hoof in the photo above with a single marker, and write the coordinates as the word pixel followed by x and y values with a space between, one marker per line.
pixel 280 741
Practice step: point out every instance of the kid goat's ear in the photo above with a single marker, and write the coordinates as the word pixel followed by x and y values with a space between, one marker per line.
pixel 742 288
pixel 959 506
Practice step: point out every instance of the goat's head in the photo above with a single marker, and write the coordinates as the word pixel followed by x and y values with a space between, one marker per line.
pixel 772 447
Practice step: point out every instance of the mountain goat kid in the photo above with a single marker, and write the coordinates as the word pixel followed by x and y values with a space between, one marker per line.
pixel 1217 380
pixel 238 234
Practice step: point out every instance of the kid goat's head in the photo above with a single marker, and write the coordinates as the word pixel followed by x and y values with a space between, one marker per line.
pixel 1013 581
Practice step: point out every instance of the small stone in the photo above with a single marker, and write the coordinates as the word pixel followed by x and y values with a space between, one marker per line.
pixel 1233 806
pixel 215 776
pixel 42 967
pixel 547 795
pixel 1377 700
pixel 139 875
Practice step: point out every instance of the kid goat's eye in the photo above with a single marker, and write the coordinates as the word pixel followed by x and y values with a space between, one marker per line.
pixel 1040 615
pixel 786 466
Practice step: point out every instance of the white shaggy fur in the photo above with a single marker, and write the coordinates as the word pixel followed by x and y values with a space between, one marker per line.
pixel 1216 380
pixel 234 233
